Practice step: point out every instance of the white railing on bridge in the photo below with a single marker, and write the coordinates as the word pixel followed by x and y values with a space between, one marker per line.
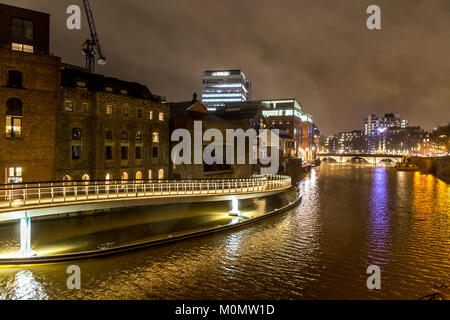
pixel 49 193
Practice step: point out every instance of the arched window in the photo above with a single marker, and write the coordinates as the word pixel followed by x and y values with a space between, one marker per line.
pixel 161 174
pixel 67 178
pixel 13 118
pixel 124 176
pixel 108 178
pixel 85 177
pixel 139 175
pixel 150 175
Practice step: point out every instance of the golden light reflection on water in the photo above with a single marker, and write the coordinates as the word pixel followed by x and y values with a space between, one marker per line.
pixel 351 216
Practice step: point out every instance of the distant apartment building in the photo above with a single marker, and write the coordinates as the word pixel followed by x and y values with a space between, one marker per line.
pixel 224 86
pixel 351 142
pixel 64 123
pixel 376 126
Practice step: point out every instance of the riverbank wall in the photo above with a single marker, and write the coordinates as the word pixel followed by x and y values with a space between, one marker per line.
pixel 438 166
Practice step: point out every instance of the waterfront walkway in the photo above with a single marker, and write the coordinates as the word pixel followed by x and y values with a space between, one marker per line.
pixel 39 199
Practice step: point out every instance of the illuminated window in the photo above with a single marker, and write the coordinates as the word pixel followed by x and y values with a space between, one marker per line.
pixel 150 174
pixel 161 174
pixel 161 116
pixel 68 106
pixel 13 118
pixel 109 89
pixel 139 136
pixel 123 91
pixel 14 175
pixel 151 115
pixel 22 47
pixel 81 84
pixel 109 109
pixel 155 137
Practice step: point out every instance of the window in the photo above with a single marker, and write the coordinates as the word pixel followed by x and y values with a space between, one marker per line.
pixel 68 106
pixel 139 113
pixel 108 152
pixel 139 136
pixel 13 118
pixel 139 175
pixel 14 79
pixel 155 152
pixel 76 134
pixel 109 135
pixel 109 109
pixel 85 107
pixel 109 89
pixel 155 137
pixel 151 115
pixel 124 136
pixel 124 153
pixel 76 152
pixel 124 176
pixel 138 153
pixel 85 177
pixel 81 84
pixel 161 174
pixel 150 175
pixel 22 29
pixel 161 116
pixel 123 91
pixel 14 175
pixel 22 47
pixel 126 111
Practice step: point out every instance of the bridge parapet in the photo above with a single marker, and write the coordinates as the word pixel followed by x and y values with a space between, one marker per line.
pixel 40 195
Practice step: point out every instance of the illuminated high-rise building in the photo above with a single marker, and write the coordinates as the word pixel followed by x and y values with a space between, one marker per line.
pixel 224 86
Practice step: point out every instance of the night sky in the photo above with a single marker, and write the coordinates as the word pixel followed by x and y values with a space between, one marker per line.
pixel 319 52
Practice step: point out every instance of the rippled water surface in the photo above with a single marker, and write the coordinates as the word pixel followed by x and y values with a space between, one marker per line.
pixel 351 216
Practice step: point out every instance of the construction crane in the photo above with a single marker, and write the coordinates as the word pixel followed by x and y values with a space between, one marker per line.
pixel 91 47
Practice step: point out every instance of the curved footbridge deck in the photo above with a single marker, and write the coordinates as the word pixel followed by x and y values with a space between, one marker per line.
pixel 27 201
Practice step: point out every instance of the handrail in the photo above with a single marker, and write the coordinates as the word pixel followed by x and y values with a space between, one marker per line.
pixel 73 192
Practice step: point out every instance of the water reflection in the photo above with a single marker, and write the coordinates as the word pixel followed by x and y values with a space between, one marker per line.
pixel 379 218
pixel 351 216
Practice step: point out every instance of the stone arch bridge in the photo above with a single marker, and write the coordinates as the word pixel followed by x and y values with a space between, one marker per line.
pixel 370 158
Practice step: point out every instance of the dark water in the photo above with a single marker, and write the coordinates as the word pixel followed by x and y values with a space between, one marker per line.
pixel 352 216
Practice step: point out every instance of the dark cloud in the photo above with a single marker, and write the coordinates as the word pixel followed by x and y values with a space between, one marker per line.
pixel 317 51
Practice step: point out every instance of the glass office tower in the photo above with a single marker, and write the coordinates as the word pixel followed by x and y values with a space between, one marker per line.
pixel 224 86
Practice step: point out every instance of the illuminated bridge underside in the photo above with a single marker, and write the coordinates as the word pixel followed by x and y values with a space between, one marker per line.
pixel 36 200
pixel 370 158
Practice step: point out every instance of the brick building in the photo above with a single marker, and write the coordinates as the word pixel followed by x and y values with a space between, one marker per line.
pixel 109 129
pixel 62 122
pixel 29 94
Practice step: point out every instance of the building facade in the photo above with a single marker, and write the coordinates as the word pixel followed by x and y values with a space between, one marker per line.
pixel 29 94
pixel 224 86
pixel 108 129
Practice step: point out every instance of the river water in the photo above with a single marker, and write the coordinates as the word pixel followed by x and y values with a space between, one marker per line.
pixel 351 217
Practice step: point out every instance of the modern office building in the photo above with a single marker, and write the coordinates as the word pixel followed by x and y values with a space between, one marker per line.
pixel 224 86
pixel 375 124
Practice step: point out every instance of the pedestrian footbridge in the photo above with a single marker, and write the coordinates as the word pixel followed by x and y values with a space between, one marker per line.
pixel 22 202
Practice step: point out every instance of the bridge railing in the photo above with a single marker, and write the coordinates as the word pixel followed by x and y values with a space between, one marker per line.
pixel 36 194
